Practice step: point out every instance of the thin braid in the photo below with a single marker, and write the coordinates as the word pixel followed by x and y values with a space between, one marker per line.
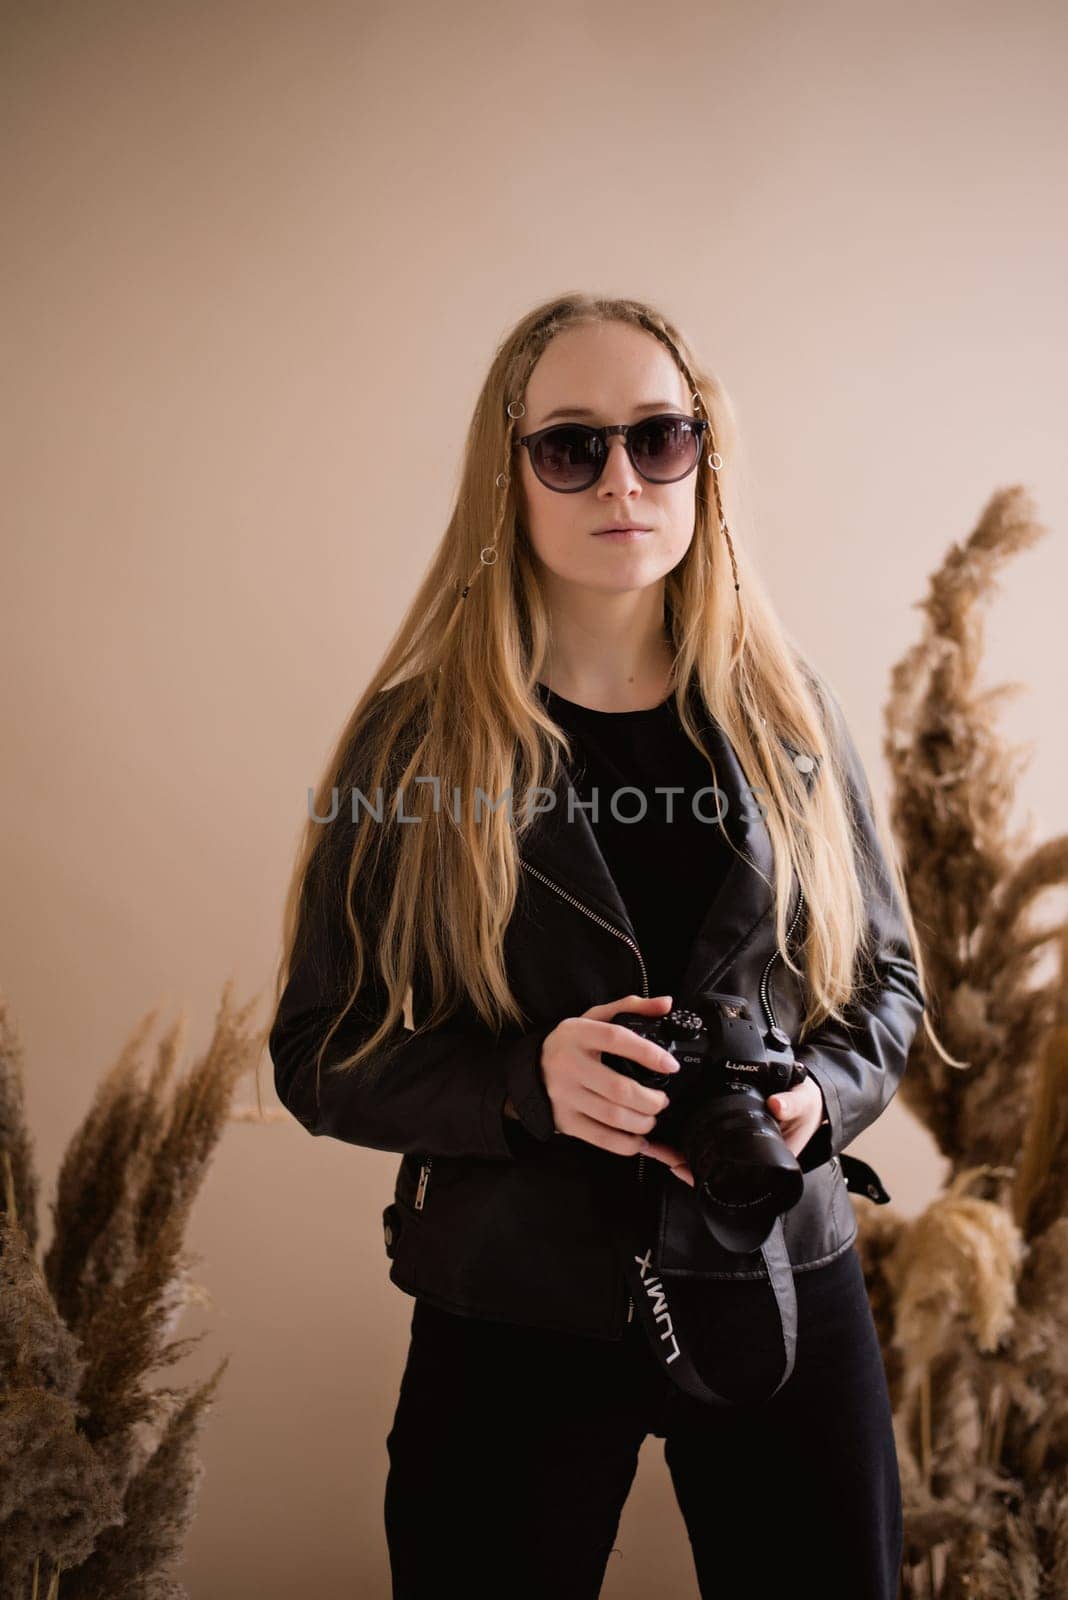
pixel 488 554
pixel 659 331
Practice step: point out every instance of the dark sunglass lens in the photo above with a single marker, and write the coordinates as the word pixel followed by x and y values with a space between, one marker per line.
pixel 664 447
pixel 567 458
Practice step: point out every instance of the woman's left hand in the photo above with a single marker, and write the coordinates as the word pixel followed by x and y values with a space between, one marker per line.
pixel 671 1158
pixel 798 1111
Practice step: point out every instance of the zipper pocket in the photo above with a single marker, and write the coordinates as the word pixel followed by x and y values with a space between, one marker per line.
pixel 627 940
pixel 424 1179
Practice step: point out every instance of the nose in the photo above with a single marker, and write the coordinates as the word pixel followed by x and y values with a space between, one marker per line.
pixel 618 476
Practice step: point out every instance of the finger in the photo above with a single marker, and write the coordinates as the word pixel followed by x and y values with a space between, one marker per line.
pixel 614 1113
pixel 606 1138
pixel 661 1152
pixel 619 1090
pixel 612 1038
pixel 620 1086
pixel 670 1158
pixel 629 1002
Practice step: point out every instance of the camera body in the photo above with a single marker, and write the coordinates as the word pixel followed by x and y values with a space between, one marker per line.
pixel 717 1116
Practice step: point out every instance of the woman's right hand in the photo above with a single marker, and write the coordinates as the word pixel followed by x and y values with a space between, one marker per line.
pixel 591 1101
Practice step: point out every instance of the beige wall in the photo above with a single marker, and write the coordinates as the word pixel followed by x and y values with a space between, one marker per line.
pixel 238 234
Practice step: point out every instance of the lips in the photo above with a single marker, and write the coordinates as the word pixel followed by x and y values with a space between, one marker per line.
pixel 621 527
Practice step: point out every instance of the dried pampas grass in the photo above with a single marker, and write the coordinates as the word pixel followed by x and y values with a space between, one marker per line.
pixel 971 1298
pixel 98 1472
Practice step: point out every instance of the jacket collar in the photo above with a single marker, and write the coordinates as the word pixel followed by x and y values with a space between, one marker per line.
pixel 566 851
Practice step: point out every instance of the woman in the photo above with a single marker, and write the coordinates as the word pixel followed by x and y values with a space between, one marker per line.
pixel 448 990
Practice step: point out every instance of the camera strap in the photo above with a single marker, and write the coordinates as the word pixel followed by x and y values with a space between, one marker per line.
pixel 671 1341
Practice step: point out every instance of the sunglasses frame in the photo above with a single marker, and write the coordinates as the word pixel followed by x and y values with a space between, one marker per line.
pixel 698 424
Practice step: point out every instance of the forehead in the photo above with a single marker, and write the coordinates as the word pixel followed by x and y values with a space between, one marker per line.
pixel 613 370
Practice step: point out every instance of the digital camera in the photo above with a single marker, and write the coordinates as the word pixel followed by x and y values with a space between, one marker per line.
pixel 717 1116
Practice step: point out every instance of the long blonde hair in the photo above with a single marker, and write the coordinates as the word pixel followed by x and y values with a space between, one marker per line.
pixel 455 696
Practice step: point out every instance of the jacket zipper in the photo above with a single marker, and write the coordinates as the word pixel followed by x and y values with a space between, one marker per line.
pixel 424 1179
pixel 765 992
pixel 425 1168
pixel 627 940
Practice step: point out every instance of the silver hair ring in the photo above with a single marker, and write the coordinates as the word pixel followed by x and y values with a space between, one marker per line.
pixel 483 552
pixel 715 461
pixel 501 479
pixel 522 408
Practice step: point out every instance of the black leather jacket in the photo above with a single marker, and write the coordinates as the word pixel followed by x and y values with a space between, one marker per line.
pixel 506 1219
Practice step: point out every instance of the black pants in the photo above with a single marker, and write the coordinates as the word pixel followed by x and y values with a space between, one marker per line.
pixel 513 1451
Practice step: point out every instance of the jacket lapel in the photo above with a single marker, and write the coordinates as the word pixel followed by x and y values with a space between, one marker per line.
pixel 566 850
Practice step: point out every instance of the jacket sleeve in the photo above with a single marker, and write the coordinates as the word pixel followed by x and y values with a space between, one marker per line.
pixel 859 1069
pixel 440 1091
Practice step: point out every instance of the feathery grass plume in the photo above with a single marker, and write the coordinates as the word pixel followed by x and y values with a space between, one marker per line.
pixel 198 1113
pixel 1022 1556
pixel 1032 1423
pixel 958 1260
pixel 82 1436
pixel 123 1339
pixel 125 1342
pixel 55 1496
pixel 120 1241
pixel 952 1272
pixel 973 1294
pixel 91 1180
pixel 15 1138
pixel 971 889
pixel 1037 1384
pixel 133 1560
pixel 35 1346
pixel 1041 1196
pixel 957 1423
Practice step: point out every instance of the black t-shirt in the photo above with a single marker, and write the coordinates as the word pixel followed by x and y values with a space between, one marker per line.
pixel 668 862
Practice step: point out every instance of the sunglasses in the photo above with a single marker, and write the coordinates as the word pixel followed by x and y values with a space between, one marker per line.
pixel 569 456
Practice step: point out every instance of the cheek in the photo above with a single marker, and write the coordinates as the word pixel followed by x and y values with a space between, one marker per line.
pixel 555 528
pixel 681 508
pixel 550 536
pixel 677 514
